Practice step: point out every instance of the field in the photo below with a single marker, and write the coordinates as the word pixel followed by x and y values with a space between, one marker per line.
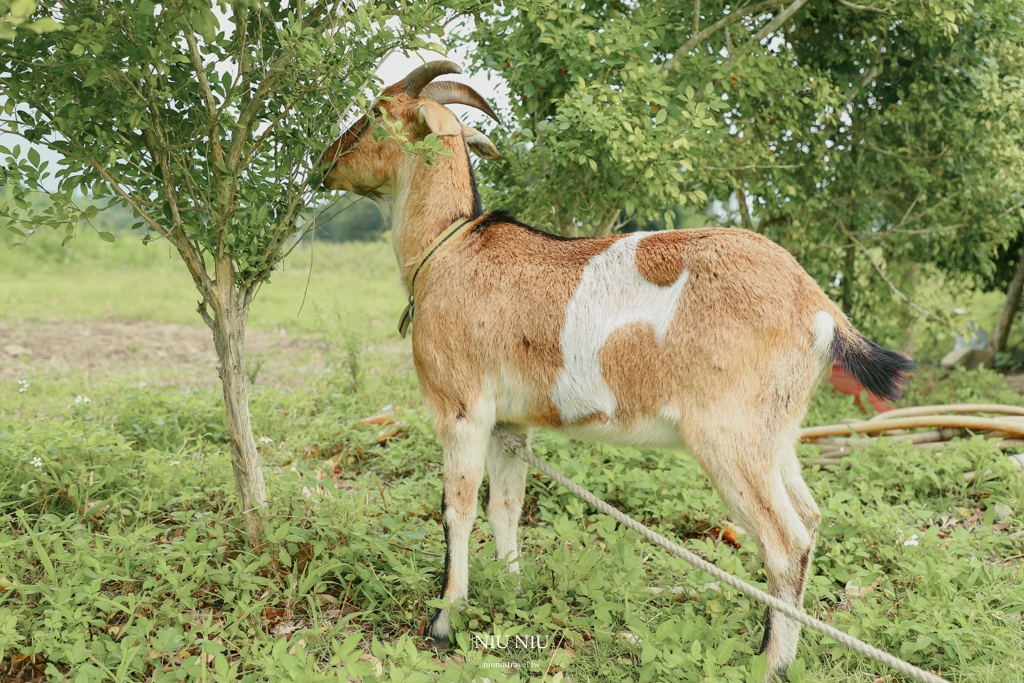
pixel 120 558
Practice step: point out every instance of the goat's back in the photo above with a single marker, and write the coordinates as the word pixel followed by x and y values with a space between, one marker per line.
pixel 577 331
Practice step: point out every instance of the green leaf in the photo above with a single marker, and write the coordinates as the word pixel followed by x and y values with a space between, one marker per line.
pixel 22 8
pixel 78 652
pixel 106 236
pixel 44 25
pixel 796 673
pixel 758 668
pixel 93 76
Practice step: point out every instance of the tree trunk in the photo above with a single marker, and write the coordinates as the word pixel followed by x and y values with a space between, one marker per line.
pixel 851 253
pixel 741 198
pixel 1002 331
pixel 228 325
pixel 908 346
pixel 611 222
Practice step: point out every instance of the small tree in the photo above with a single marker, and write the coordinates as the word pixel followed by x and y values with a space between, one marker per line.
pixel 204 118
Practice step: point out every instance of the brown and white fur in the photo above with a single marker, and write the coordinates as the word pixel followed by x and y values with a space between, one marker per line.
pixel 711 340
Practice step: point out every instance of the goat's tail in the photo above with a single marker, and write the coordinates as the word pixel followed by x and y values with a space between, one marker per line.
pixel 881 371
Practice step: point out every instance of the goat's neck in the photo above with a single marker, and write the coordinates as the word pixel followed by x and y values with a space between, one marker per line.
pixel 428 199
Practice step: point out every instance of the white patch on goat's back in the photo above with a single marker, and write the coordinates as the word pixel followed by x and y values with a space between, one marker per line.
pixel 611 293
pixel 824 331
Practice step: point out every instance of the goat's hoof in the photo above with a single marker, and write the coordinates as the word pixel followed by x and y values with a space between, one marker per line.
pixel 439 630
pixel 440 642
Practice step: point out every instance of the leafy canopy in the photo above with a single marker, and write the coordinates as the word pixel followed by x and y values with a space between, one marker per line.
pixel 862 137
pixel 204 117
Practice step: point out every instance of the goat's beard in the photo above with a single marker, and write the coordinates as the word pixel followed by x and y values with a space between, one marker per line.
pixel 383 205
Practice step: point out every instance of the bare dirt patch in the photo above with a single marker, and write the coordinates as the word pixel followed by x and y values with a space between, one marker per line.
pixel 162 353
pixel 1016 382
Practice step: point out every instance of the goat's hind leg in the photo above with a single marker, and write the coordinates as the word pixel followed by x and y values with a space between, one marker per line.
pixel 506 487
pixel 781 634
pixel 465 442
pixel 750 476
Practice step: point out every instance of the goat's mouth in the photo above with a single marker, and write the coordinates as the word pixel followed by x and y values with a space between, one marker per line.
pixel 341 147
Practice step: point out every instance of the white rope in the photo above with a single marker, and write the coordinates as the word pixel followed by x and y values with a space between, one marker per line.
pixel 794 613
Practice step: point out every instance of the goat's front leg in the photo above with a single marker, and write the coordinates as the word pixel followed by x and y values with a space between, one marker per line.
pixel 506 487
pixel 465 442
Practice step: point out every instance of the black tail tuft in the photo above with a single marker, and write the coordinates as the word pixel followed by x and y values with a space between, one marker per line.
pixel 881 371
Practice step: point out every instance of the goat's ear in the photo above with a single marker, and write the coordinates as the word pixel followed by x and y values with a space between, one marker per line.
pixel 479 143
pixel 438 119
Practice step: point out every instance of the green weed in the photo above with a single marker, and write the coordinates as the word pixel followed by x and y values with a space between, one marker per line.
pixel 122 560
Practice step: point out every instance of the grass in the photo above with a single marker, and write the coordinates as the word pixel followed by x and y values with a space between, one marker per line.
pixel 121 560
pixel 93 280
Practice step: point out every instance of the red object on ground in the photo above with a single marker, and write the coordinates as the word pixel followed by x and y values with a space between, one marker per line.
pixel 844 382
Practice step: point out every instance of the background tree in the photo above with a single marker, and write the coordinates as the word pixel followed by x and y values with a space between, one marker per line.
pixel 622 107
pixel 352 219
pixel 873 141
pixel 924 165
pixel 205 119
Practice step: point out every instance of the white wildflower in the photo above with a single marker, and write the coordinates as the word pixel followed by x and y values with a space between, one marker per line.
pixel 266 439
pixel 23 386
pixel 175 463
pixel 911 541
pixel 82 399
pixel 37 462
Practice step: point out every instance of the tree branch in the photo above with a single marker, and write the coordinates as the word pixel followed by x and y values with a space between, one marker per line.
pixel 204 313
pixel 273 124
pixel 778 21
pixel 727 20
pixel 753 167
pixel 248 111
pixel 895 290
pixel 863 8
pixel 741 199
pixel 204 86
pixel 192 258
pixel 129 199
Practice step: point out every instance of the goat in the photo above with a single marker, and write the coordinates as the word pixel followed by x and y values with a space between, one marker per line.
pixel 708 339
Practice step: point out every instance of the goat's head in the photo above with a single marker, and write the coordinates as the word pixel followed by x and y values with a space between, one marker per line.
pixel 366 163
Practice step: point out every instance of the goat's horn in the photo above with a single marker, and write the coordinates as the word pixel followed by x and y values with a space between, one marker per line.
pixel 421 75
pixel 450 92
